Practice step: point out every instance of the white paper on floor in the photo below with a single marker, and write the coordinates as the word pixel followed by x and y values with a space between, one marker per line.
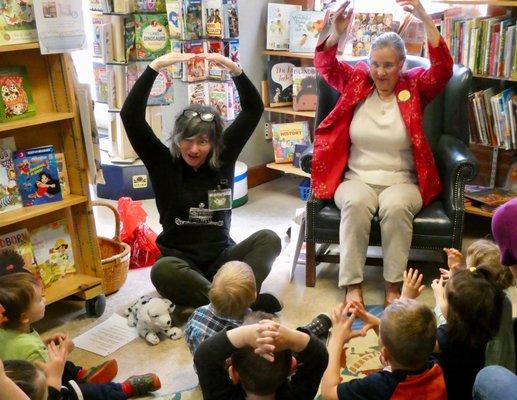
pixel 107 337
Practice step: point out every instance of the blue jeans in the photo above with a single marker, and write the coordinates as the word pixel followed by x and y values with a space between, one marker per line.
pixel 495 383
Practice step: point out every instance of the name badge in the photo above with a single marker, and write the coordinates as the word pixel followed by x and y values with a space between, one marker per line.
pixel 220 199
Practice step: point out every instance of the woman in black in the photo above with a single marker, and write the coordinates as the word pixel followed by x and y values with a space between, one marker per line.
pixel 191 181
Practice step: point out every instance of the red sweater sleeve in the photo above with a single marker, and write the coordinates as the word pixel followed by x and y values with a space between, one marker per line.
pixel 336 73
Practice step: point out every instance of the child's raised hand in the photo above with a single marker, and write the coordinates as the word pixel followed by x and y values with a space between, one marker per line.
pixel 67 343
pixel 55 365
pixel 412 286
pixel 445 274
pixel 455 259
pixel 438 289
pixel 370 321
pixel 342 319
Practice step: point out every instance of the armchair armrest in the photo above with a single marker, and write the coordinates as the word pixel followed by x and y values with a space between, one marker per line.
pixel 457 166
pixel 306 159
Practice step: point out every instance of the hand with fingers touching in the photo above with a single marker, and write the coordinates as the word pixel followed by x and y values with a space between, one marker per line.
pixel 370 321
pixel 55 365
pixel 412 286
pixel 342 319
pixel 274 337
pixel 169 59
pixel 341 23
pixel 438 287
pixel 414 7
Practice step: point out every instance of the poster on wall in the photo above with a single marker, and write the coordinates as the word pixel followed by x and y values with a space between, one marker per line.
pixel 60 25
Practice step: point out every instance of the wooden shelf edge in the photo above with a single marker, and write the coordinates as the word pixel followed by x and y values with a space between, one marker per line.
pixel 25 213
pixel 503 3
pixel 290 111
pixel 38 119
pixel 278 53
pixel 71 284
pixel 498 78
pixel 288 169
pixel 19 47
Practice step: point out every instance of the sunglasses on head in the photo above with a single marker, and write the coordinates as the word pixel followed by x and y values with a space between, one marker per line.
pixel 205 116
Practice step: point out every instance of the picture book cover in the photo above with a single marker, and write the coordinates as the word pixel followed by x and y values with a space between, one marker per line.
pixel 16 252
pixel 489 196
pixel 286 136
pixel 231 50
pixel 193 17
pixel 37 175
pixel 177 69
pixel 63 174
pixel 230 19
pixel 278 19
pixel 280 81
pixel 101 82
pixel 175 19
pixel 95 5
pixel 52 249
pixel 17 22
pixel 16 101
pixel 305 97
pixel 9 194
pixel 162 92
pixel 198 93
pixel 196 69
pixel 366 27
pixel 213 17
pixel 220 96
pixel 215 71
pixel 298 151
pixel 305 28
pixel 151 36
pixel 98 21
pixel 149 6
pixel 322 5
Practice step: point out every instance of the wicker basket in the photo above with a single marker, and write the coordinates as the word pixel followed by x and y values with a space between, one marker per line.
pixel 115 256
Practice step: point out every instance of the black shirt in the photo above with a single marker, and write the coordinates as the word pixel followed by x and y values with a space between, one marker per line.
pixel 460 363
pixel 215 383
pixel 198 235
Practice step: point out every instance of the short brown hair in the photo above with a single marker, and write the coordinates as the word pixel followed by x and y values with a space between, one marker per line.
pixel 484 254
pixel 408 331
pixel 233 290
pixel 30 379
pixel 17 292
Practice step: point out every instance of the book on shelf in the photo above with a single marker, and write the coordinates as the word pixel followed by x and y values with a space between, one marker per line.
pixel 231 49
pixel 215 70
pixel 124 6
pixel 151 36
pixel 17 22
pixel 280 81
pixel 177 68
pixel 277 31
pixel 322 5
pixel 230 19
pixel 100 79
pixel 286 136
pixel 37 175
pixel 193 19
pixel 95 5
pixel 16 252
pixel 9 194
pixel 220 97
pixel 122 38
pixel 365 28
pixel 195 69
pixel 305 95
pixel 120 80
pixel 16 95
pixel 162 90
pixel 175 19
pixel 298 151
pixel 63 174
pixel 198 93
pixel 99 36
pixel 487 198
pixel 304 30
pixel 52 248
pixel 213 14
pixel 149 6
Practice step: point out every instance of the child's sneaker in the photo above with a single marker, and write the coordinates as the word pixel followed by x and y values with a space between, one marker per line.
pixel 139 385
pixel 102 373
pixel 319 326
pixel 268 303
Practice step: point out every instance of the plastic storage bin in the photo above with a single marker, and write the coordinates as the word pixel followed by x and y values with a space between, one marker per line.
pixel 304 188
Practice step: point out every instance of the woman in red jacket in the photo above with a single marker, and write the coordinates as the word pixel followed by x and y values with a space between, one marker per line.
pixel 370 153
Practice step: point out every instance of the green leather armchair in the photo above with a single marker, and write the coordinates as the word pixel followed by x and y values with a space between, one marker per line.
pixel 438 225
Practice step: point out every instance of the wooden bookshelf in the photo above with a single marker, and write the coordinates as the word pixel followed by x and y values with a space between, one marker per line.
pixel 81 285
pixel 18 47
pixel 288 169
pixel 499 78
pixel 500 3
pixel 289 110
pixel 38 119
pixel 276 53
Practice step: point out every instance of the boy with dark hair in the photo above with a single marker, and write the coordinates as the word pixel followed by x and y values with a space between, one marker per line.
pixel 407 336
pixel 262 356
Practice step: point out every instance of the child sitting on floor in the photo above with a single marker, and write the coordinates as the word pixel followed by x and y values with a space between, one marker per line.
pixel 262 355
pixel 233 291
pixel 22 297
pixel 407 336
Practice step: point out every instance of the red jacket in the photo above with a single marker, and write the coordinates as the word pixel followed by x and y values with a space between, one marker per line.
pixel 332 138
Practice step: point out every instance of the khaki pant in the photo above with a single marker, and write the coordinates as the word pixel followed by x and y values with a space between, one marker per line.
pixel 359 202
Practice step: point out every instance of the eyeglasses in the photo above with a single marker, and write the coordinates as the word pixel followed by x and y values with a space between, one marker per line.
pixel 388 67
pixel 206 116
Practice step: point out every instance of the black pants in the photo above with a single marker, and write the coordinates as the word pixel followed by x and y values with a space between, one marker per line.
pixel 186 285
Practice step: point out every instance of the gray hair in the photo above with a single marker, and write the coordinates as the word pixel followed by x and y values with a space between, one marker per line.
pixel 189 127
pixel 390 39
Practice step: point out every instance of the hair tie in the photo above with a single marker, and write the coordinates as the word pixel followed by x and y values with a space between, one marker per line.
pixel 473 269
pixel 3 318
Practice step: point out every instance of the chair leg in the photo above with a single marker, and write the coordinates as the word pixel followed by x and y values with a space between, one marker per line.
pixel 310 264
pixel 296 250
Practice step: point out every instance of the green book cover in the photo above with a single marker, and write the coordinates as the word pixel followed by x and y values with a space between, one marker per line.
pixel 16 96
pixel 151 36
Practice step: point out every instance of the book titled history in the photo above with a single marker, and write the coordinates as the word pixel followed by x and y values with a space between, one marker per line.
pixel 16 252
pixel 280 81
pixel 305 28
pixel 9 195
pixel 16 95
pixel 277 30
pixel 37 175
pixel 193 17
pixel 286 136
pixel 305 96
pixel 230 19
pixel 175 19
pixel 151 36
pixel 213 18
pixel 17 22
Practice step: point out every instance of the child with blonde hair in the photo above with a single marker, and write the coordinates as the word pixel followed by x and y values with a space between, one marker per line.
pixel 21 295
pixel 232 293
